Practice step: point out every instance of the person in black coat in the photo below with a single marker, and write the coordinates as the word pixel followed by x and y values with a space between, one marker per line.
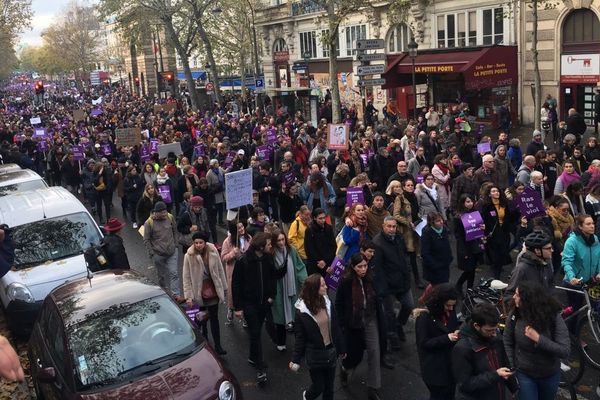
pixel 435 250
pixel 133 186
pixel 254 286
pixel 479 361
pixel 318 337
pixel 576 124
pixel 467 252
pixel 361 319
pixel 436 330
pixel 114 250
pixel 319 243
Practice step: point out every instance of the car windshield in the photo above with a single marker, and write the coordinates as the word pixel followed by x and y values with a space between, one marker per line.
pixel 22 187
pixel 129 340
pixel 53 238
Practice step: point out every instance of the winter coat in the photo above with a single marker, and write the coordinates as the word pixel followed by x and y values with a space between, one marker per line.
pixel 296 236
pixel 288 206
pixel 533 147
pixel 436 254
pixel 524 174
pixel 504 169
pixel 215 184
pixel 562 224
pixel 474 363
pixel 160 236
pixel 442 184
pixel 530 268
pixel 114 250
pixel 426 203
pixel 463 185
pixel 579 260
pixel 515 156
pixel 352 239
pixel 277 308
pixel 375 219
pixel 403 215
pixel 434 347
pixel 498 236
pixel 319 243
pixel 539 360
pixel 392 273
pixel 194 274
pixel 326 202
pixel 464 248
pixel 338 182
pixel 189 218
pixel 133 187
pixel 308 335
pixel 145 206
pixel 254 280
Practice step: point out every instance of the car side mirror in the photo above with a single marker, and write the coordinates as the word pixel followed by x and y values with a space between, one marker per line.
pixel 47 375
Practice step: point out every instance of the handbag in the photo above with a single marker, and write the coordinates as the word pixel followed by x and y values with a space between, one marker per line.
pixel 321 358
pixel 208 291
pixel 101 185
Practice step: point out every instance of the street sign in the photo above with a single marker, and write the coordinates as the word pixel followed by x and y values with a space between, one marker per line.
pixel 370 44
pixel 299 66
pixel 370 57
pixel 209 87
pixel 307 55
pixel 370 69
pixel 259 85
pixel 371 82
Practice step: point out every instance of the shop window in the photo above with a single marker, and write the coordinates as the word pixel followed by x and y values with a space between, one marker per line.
pixel 308 44
pixel 581 26
pixel 354 33
pixel 398 38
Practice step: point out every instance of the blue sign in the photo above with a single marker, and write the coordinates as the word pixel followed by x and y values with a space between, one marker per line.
pixel 259 83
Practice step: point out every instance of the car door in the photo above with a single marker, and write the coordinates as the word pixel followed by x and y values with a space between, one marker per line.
pixel 54 355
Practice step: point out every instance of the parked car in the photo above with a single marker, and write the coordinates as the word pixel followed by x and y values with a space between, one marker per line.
pixel 20 181
pixel 118 335
pixel 50 230
pixel 10 167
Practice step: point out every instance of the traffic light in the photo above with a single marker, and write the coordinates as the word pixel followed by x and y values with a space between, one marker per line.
pixel 39 87
pixel 168 78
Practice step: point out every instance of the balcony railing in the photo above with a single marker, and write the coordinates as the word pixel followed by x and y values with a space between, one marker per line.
pixel 305 7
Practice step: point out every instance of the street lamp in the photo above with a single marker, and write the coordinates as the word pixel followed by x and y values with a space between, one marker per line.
pixel 412 53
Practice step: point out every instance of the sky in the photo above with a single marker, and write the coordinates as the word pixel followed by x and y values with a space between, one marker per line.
pixel 44 13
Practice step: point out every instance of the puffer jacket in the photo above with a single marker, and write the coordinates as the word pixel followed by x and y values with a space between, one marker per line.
pixel 580 260
pixel 530 268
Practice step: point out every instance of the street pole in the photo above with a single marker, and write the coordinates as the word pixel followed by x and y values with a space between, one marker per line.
pixel 255 50
pixel 414 88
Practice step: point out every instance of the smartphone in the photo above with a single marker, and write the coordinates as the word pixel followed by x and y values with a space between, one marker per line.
pixel 513 369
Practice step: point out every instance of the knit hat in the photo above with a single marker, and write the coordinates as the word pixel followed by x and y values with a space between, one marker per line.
pixel 196 201
pixel 537 133
pixel 159 206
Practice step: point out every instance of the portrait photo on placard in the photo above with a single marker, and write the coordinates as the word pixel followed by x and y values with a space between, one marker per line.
pixel 338 136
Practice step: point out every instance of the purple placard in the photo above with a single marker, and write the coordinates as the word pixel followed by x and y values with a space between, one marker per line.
pixel 288 177
pixel 354 195
pixel 39 133
pixel 106 149
pixel 335 277
pixel 95 112
pixel 78 152
pixel 42 146
pixel 263 152
pixel 420 179
pixel 229 159
pixel 364 158
pixel 83 133
pixel 145 153
pixel 271 136
pixel 370 153
pixel 191 312
pixel 530 203
pixel 484 147
pixel 165 193
pixel 154 146
pixel 200 149
pixel 472 223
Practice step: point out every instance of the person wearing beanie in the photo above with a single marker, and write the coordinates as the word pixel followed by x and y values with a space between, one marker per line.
pixel 536 144
pixel 160 239
pixel 195 219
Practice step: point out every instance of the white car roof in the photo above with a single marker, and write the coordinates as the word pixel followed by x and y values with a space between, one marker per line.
pixel 18 176
pixel 26 207
pixel 4 168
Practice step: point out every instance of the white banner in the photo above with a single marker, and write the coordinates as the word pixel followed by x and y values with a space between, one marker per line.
pixel 238 188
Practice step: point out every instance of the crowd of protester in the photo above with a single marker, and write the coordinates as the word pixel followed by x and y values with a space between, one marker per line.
pixel 416 177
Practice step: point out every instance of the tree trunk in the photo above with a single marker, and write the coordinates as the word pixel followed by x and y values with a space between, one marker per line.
pixel 536 69
pixel 174 39
pixel 333 44
pixel 211 59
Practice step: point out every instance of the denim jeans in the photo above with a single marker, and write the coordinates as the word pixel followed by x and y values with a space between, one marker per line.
pixel 538 388
pixel 166 268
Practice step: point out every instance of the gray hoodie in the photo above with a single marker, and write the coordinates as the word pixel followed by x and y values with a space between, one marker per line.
pixel 160 235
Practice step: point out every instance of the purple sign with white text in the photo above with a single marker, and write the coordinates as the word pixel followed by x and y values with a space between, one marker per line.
pixel 154 146
pixel 78 152
pixel 42 146
pixel 354 195
pixel 484 147
pixel 271 136
pixel 530 203
pixel 145 153
pixel 263 152
pixel 472 222
pixel 165 193
pixel 229 159
pixel 106 149
pixel 335 277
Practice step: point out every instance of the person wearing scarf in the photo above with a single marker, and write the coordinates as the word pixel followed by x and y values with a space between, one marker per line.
pixel 441 173
pixel 355 229
pixel 428 198
pixel 568 176
pixel 164 187
pixel 288 287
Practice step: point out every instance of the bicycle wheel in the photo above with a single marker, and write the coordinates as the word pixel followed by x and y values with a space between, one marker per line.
pixel 572 368
pixel 589 345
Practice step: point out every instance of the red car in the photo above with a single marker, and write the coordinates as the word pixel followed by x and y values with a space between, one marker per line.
pixel 120 336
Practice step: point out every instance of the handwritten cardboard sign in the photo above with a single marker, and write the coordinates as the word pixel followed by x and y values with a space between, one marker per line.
pixel 78 115
pixel 238 188
pixel 128 136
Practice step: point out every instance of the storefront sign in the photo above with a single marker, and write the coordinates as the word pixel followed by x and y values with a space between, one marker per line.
pixel 281 56
pixel 580 68
pixel 434 69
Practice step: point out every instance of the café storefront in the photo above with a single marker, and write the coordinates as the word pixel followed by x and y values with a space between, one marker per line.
pixel 483 77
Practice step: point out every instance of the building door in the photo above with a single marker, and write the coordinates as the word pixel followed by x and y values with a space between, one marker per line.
pixel 568 98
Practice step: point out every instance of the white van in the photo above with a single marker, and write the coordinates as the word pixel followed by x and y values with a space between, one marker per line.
pixel 50 229
pixel 10 167
pixel 20 181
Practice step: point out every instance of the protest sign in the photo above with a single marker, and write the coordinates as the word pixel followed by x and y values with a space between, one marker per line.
pixel 338 136
pixel 191 312
pixel 199 150
pixel 229 159
pixel 39 133
pixel 271 136
pixel 484 147
pixel 264 152
pixel 106 149
pixel 42 146
pixel 530 203
pixel 78 115
pixel 96 111
pixel 145 153
pixel 238 188
pixel 97 101
pixel 288 177
pixel 354 195
pixel 334 279
pixel 154 146
pixel 78 152
pixel 420 179
pixel 165 193
pixel 35 120
pixel 128 136
pixel 364 158
pixel 165 149
pixel 472 222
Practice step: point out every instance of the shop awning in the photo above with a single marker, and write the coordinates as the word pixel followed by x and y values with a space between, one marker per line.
pixel 482 67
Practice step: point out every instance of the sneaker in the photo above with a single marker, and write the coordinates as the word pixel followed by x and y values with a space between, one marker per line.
pixel 244 323
pixel 304 395
pixel 229 317
pixel 281 348
pixel 135 225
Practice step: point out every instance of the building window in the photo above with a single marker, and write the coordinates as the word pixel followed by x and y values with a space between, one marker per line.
pixel 280 45
pixel 581 26
pixel 470 28
pixel 308 44
pixel 398 38
pixel 325 46
pixel 354 33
